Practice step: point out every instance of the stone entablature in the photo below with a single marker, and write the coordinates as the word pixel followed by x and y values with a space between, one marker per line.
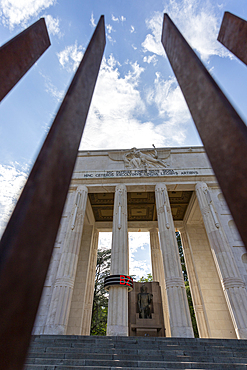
pixel 113 160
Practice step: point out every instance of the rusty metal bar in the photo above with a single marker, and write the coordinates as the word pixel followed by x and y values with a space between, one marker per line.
pixel 233 35
pixel 222 131
pixel 20 53
pixel 27 243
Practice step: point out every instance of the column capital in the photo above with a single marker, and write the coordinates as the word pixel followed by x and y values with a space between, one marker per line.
pixel 154 230
pixel 201 185
pixel 181 229
pixel 160 186
pixel 81 188
pixel 121 187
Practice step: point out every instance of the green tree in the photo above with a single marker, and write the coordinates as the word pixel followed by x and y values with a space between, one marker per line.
pixel 145 279
pixel 100 302
pixel 187 287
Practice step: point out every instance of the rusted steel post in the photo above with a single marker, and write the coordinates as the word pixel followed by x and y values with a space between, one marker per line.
pixel 27 243
pixel 233 35
pixel 20 53
pixel 222 131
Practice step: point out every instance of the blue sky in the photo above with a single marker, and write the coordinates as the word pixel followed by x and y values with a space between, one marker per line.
pixel 137 101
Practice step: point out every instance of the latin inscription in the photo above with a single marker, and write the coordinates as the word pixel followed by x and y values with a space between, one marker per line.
pixel 137 173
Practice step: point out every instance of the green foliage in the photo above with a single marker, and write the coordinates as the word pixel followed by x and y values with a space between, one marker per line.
pixel 181 254
pixel 187 287
pixel 100 302
pixel 145 279
pixel 192 312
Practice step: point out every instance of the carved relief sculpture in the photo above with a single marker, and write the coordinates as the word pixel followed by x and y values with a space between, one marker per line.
pixel 142 159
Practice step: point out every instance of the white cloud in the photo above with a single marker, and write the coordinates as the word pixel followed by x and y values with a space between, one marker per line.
pixel 51 89
pixel 19 12
pixel 150 59
pixel 169 100
pixel 53 25
pixel 132 29
pixel 112 41
pixel 105 239
pixel 137 241
pixel 115 19
pixel 152 42
pixel 198 22
pixel 70 57
pixel 139 266
pixel 113 120
pixel 92 21
pixel 12 180
pixel 109 28
pixel 134 47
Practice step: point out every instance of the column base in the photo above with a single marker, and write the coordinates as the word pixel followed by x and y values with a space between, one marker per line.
pixel 241 333
pixel 55 330
pixel 182 332
pixel 117 330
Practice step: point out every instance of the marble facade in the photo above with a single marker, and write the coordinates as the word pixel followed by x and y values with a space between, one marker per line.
pixel 160 191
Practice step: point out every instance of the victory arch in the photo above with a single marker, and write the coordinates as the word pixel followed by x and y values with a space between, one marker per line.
pixel 160 191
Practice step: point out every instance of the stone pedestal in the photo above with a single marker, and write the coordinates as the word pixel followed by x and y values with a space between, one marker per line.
pixel 158 274
pixel 180 321
pixel 117 322
pixel 58 314
pixel 146 327
pixel 200 313
pixel 232 284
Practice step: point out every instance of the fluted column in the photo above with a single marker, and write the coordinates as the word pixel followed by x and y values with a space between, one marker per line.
pixel 232 283
pixel 117 322
pixel 200 313
pixel 88 303
pixel 58 315
pixel 180 321
pixel 158 274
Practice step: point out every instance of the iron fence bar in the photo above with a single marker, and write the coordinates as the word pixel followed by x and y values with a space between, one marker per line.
pixel 27 243
pixel 222 131
pixel 19 54
pixel 233 35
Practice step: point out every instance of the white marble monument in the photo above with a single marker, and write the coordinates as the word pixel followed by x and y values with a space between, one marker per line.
pixel 160 191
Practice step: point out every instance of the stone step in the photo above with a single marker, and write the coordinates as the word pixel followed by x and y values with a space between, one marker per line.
pixel 140 342
pixel 161 356
pixel 126 362
pixel 166 366
pixel 77 352
pixel 135 350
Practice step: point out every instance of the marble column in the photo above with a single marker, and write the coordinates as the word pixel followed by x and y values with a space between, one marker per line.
pixel 117 322
pixel 59 309
pixel 200 313
pixel 232 283
pixel 180 321
pixel 88 303
pixel 158 274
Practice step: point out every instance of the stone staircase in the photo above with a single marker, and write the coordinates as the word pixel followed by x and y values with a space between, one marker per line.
pixel 50 352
